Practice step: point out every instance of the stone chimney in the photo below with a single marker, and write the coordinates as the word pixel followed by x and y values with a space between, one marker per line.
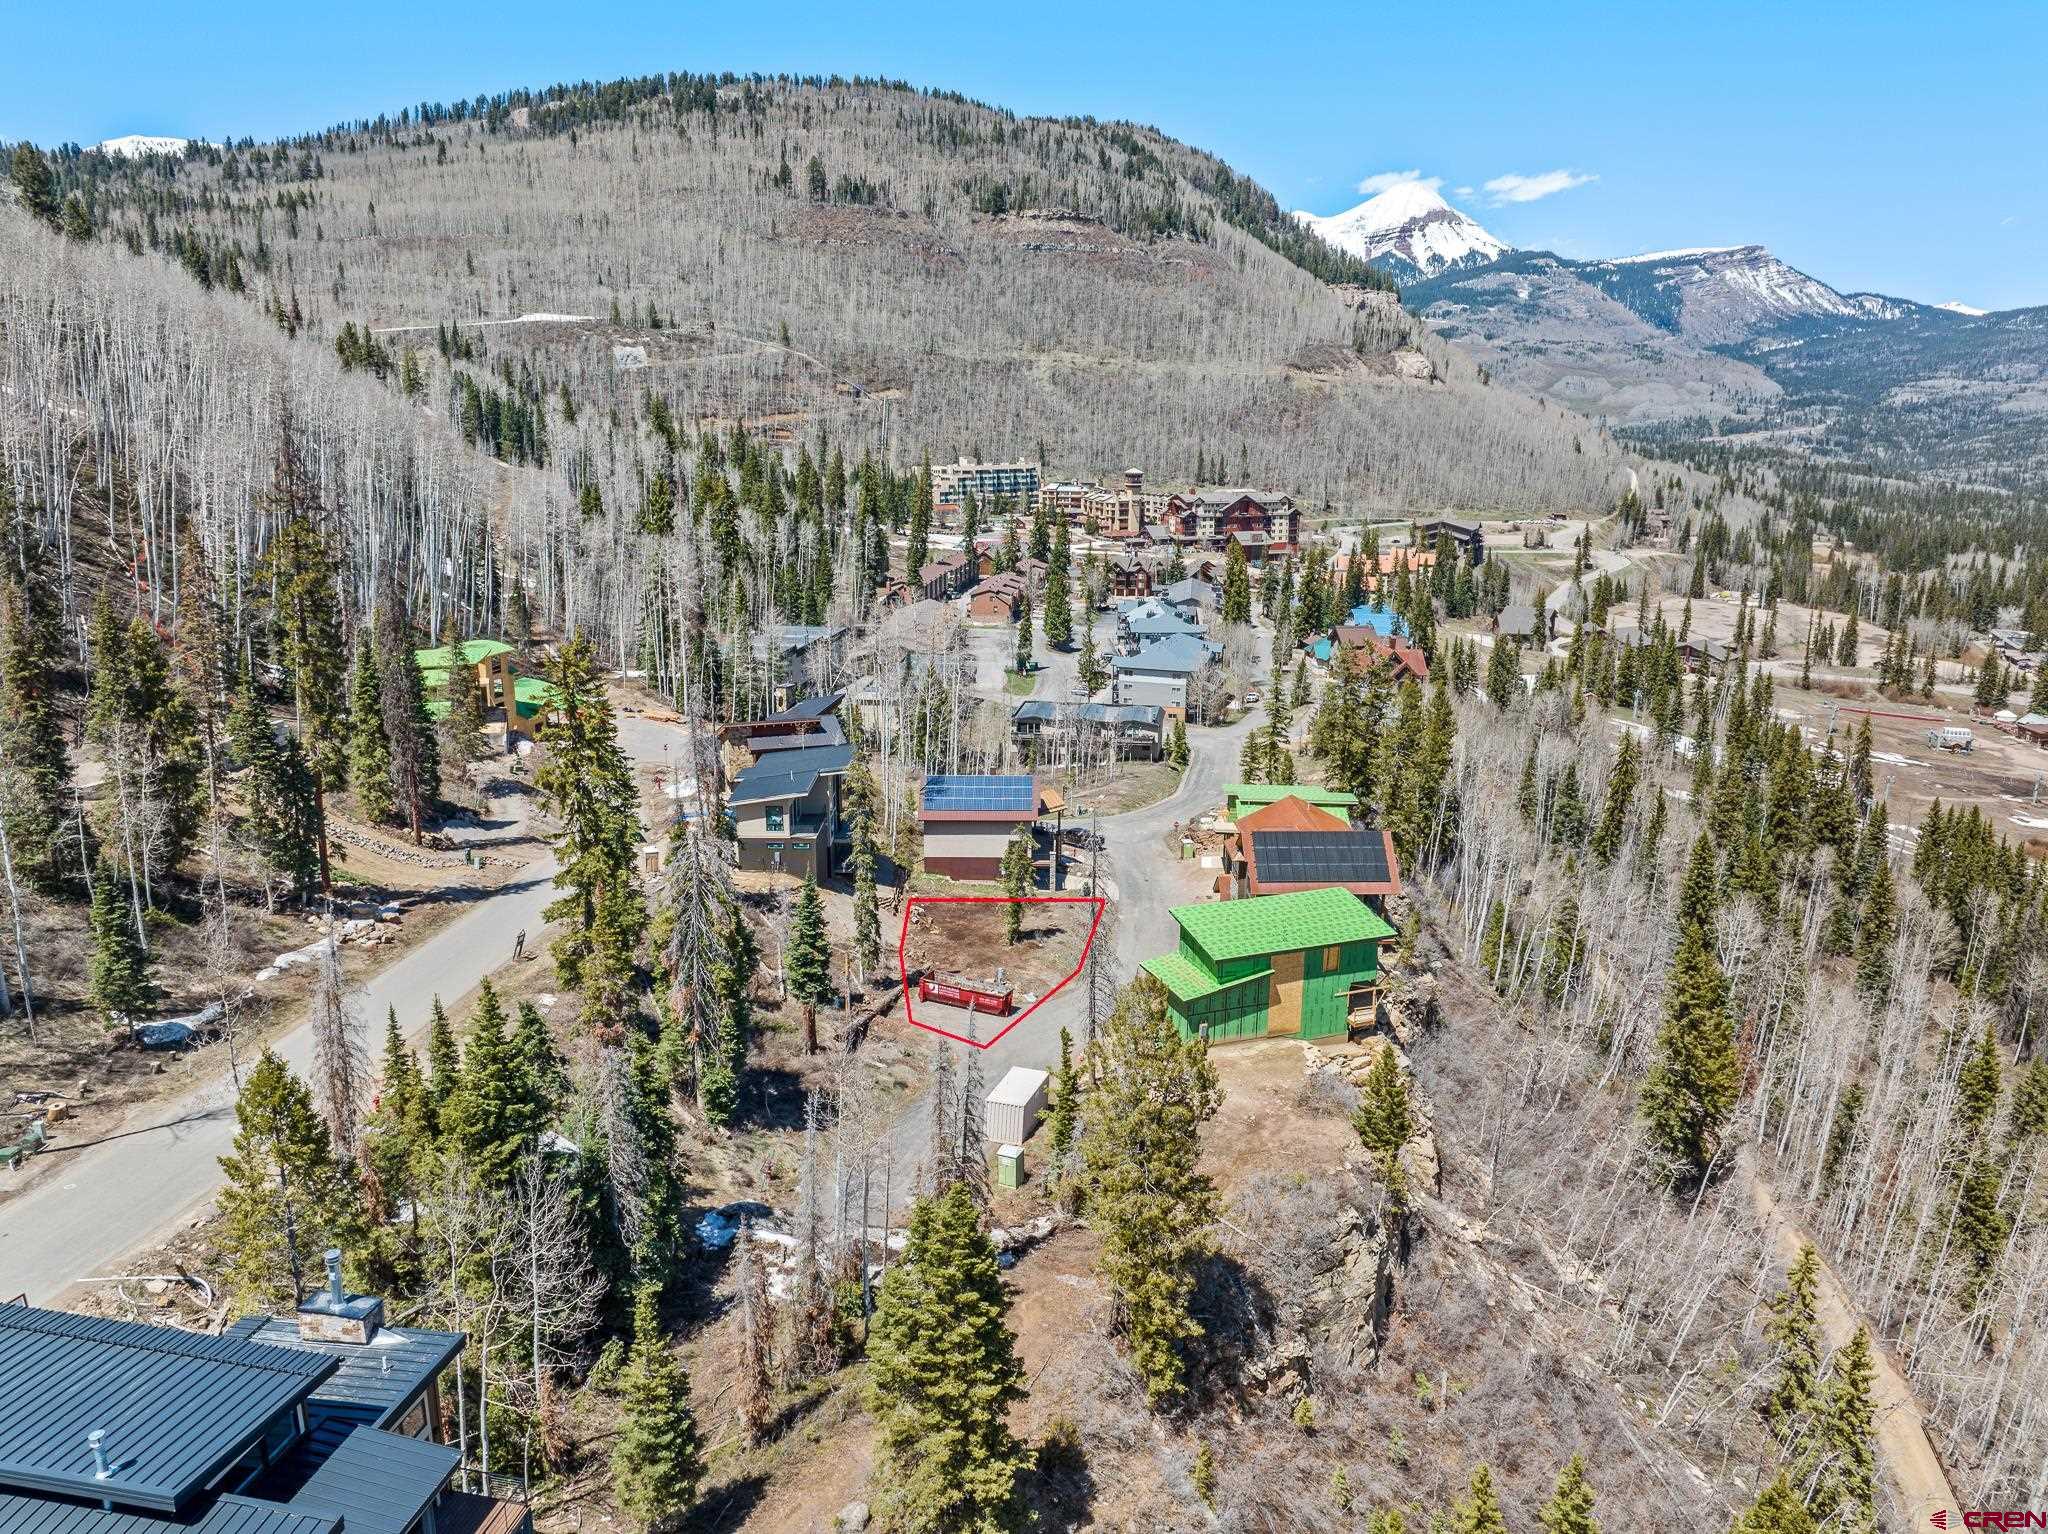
pixel 335 1315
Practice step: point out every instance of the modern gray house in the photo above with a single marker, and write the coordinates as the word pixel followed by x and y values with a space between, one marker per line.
pixel 785 810
pixel 325 1423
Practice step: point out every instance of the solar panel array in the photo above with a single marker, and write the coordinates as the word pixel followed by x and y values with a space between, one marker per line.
pixel 1320 857
pixel 965 793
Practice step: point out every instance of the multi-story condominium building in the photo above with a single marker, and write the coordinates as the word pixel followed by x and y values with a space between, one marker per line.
pixel 1018 482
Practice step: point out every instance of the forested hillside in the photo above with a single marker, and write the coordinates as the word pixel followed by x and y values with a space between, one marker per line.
pixel 982 281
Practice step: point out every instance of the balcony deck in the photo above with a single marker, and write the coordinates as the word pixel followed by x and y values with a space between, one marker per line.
pixel 463 1512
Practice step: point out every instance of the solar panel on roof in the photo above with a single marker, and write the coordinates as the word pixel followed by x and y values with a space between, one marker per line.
pixel 967 793
pixel 1320 857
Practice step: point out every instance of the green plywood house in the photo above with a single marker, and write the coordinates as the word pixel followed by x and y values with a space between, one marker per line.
pixel 1243 798
pixel 1272 966
pixel 502 677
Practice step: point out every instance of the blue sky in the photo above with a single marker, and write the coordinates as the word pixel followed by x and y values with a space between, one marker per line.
pixel 1894 147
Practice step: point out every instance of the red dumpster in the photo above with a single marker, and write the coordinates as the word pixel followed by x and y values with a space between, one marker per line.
pixel 958 991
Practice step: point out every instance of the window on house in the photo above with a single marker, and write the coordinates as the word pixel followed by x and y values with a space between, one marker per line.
pixel 1333 959
pixel 775 817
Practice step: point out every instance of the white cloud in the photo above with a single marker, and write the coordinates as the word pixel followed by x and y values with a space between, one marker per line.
pixel 1518 188
pixel 1462 191
pixel 1372 186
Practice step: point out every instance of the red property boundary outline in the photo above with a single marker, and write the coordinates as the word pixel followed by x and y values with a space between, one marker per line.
pixel 903 961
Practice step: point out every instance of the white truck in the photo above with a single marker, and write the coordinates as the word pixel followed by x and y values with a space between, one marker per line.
pixel 1951 737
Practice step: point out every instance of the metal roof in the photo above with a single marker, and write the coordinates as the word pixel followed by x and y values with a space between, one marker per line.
pixel 230 1515
pixel 1324 857
pixel 829 732
pixel 386 1374
pixel 1241 929
pixel 474 651
pixel 1177 654
pixel 974 793
pixel 1268 793
pixel 789 774
pixel 1291 813
pixel 176 1407
pixel 378 1482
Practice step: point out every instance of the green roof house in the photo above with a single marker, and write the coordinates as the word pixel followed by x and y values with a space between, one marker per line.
pixel 1272 966
pixel 1243 798
pixel 500 674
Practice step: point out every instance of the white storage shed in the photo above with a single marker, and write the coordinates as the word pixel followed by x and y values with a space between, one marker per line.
pixel 1014 1107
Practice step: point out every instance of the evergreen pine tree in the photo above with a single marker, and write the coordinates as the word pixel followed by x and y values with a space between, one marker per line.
pixel 941 1393
pixel 492 1119
pixel 1237 585
pixel 35 770
pixel 369 753
pixel 1621 788
pixel 657 1461
pixel 1778 1511
pixel 807 961
pixel 35 184
pixel 586 783
pixel 444 1065
pixel 1570 1508
pixel 287 1197
pixel 1017 875
pixel 1695 1074
pixel 1384 1119
pixel 1064 1118
pixel 118 978
pixel 1794 1330
pixel 1146 1196
pixel 1479 1511
pixel 1846 1480
pixel 1177 753
pixel 408 726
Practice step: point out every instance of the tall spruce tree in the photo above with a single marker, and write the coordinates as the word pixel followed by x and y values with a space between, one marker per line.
pixel 1779 1510
pixel 1146 1194
pixel 1017 875
pixel 1479 1511
pixel 1845 1480
pixel 369 753
pixel 1570 1508
pixel 657 1461
pixel 807 960
pixel 287 1196
pixel 941 1393
pixel 586 783
pixel 493 1118
pixel 1695 1072
pixel 408 725
pixel 118 973
pixel 1794 1330
pixel 34 767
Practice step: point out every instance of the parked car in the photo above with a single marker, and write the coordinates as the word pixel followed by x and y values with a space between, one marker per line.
pixel 1083 838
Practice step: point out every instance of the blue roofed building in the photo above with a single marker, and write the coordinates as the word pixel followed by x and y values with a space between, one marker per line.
pixel 1163 672
pixel 1383 621
pixel 326 1423
pixel 785 810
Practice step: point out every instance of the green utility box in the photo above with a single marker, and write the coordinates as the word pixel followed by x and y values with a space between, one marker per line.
pixel 1009 1166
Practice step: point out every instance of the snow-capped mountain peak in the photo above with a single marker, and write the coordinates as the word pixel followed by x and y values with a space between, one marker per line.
pixel 1957 306
pixel 133 146
pixel 1409 231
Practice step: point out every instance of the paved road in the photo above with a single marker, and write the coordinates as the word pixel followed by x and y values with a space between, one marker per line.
pixel 1143 881
pixel 110 1198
